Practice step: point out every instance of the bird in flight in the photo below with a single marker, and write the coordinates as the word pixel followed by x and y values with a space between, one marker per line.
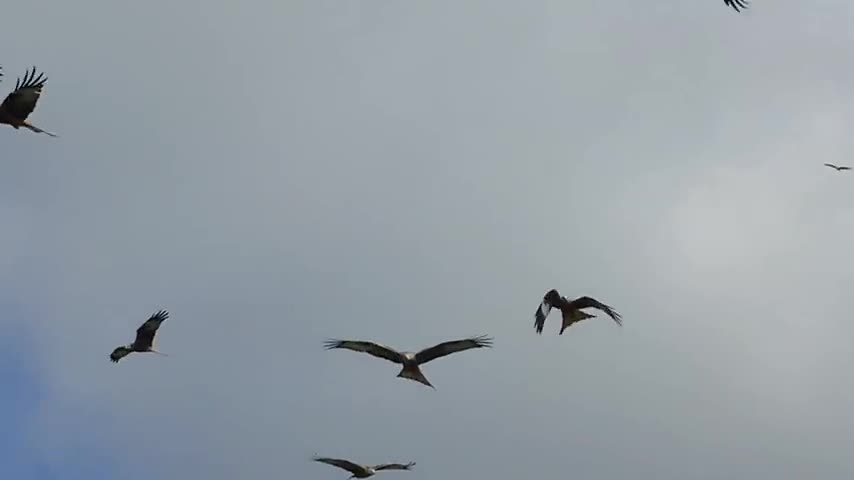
pixel 411 361
pixel 144 338
pixel 736 4
pixel 571 310
pixel 362 471
pixel 19 104
pixel 838 169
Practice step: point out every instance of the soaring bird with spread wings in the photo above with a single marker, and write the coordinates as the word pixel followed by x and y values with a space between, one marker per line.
pixel 19 104
pixel 411 361
pixel 838 168
pixel 571 310
pixel 362 471
pixel 144 341
pixel 736 4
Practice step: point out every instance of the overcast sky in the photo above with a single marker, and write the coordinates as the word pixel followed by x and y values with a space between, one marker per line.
pixel 275 173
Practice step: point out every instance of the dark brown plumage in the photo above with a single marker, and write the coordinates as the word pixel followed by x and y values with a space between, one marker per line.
pixel 19 104
pixel 362 471
pixel 736 4
pixel 570 310
pixel 144 341
pixel 411 361
pixel 837 168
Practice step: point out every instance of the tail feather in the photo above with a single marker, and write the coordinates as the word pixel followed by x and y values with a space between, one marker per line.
pixel 39 130
pixel 415 374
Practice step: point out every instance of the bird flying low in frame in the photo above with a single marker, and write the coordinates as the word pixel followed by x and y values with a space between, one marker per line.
pixel 144 341
pixel 411 361
pixel 19 104
pixel 736 4
pixel 837 168
pixel 362 471
pixel 571 310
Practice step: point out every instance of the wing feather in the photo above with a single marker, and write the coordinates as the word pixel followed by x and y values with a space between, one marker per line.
pixel 22 101
pixel 589 302
pixel 375 349
pixel 394 466
pixel 541 314
pixel 341 463
pixel 551 299
pixel 447 348
pixel 736 4
pixel 145 333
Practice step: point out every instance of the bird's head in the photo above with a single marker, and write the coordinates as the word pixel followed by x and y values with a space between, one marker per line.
pixel 552 296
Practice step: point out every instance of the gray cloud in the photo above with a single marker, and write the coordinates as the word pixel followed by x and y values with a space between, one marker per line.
pixel 276 174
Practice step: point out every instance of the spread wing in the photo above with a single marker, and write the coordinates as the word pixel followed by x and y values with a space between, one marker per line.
pixel 588 302
pixel 551 299
pixel 736 4
pixel 340 463
pixel 375 349
pixel 844 168
pixel 145 333
pixel 453 346
pixel 541 314
pixel 22 101
pixel 394 466
pixel 119 353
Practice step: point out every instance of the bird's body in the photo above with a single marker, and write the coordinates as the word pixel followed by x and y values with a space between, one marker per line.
pixel 362 471
pixel 837 168
pixel 736 4
pixel 21 102
pixel 411 362
pixel 144 342
pixel 571 311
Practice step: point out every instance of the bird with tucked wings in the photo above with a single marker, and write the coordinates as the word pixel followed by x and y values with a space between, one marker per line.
pixel 837 168
pixel 411 361
pixel 19 104
pixel 736 4
pixel 570 310
pixel 362 471
pixel 144 341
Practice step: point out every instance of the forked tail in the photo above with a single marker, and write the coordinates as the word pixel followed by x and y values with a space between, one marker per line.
pixel 415 374
pixel 39 130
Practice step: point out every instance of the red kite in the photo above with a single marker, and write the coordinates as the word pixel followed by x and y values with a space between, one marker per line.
pixel 362 471
pixel 411 361
pixel 144 338
pixel 571 310
pixel 19 104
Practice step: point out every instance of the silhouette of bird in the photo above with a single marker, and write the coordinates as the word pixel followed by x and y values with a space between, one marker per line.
pixel 144 338
pixel 736 4
pixel 362 471
pixel 571 310
pixel 19 104
pixel 411 362
pixel 838 169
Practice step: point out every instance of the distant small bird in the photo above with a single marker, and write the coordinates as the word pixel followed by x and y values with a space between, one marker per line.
pixel 838 169
pixel 409 360
pixel 736 4
pixel 362 471
pixel 19 104
pixel 571 310
pixel 144 338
